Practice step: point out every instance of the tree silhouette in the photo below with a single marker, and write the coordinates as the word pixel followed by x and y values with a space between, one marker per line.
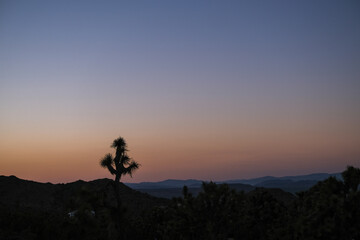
pixel 351 178
pixel 119 165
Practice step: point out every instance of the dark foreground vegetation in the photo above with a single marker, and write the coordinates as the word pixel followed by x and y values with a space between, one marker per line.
pixel 329 210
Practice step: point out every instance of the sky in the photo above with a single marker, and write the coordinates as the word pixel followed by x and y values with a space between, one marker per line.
pixel 209 90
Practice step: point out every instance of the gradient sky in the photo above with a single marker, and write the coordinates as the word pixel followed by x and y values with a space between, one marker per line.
pixel 211 90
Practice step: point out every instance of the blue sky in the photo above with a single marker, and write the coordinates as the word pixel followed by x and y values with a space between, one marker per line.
pixel 214 79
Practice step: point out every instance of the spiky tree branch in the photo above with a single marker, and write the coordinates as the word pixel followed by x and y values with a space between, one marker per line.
pixel 121 164
pixel 107 162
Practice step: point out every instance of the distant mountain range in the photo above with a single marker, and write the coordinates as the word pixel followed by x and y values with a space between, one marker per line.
pixel 173 188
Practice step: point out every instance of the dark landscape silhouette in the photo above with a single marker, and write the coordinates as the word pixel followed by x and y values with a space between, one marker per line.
pixel 108 209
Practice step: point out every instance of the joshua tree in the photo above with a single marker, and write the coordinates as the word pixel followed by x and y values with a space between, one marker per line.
pixel 120 165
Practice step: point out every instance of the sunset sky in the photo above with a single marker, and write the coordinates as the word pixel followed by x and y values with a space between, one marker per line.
pixel 210 90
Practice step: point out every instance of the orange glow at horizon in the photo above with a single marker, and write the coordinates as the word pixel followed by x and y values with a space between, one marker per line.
pixel 206 156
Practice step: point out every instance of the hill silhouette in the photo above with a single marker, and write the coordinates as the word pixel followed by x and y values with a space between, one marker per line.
pixel 62 198
pixel 15 192
pixel 85 210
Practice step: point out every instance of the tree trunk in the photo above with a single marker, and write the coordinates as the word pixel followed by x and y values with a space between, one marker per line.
pixel 119 211
pixel 117 192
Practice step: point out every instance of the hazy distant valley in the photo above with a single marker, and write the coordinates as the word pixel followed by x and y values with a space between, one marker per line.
pixel 173 188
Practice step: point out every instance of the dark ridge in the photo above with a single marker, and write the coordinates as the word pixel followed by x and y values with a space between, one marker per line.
pixel 19 193
pixel 282 196
pixel 288 185
pixel 241 187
